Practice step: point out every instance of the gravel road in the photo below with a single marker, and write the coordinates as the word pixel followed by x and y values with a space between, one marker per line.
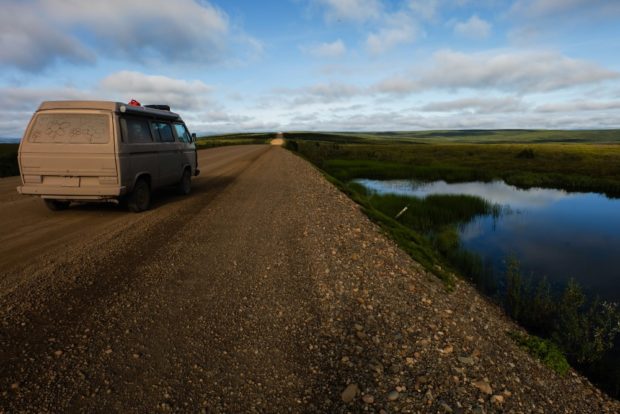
pixel 266 290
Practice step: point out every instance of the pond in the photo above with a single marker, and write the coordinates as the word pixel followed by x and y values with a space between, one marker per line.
pixel 550 232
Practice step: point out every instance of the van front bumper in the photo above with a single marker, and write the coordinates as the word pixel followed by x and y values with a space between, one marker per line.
pixel 73 193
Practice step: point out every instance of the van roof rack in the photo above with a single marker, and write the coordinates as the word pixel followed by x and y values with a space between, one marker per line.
pixel 160 107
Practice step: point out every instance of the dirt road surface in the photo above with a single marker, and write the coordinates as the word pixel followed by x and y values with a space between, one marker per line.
pixel 266 290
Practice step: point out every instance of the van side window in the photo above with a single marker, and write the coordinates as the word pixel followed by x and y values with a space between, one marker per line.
pixel 182 133
pixel 136 130
pixel 164 130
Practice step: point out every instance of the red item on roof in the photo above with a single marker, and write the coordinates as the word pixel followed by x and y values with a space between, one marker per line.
pixel 133 102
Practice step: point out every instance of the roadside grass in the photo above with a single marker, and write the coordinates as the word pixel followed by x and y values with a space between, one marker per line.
pixel 431 214
pixel 411 241
pixel 543 349
pixel 233 139
pixel 8 160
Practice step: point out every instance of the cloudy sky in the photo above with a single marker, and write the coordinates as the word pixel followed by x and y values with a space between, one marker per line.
pixel 241 65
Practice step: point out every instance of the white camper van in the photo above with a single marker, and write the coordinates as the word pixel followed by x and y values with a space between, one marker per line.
pixel 98 150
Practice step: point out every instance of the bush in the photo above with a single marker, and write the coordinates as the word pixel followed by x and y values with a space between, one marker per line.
pixel 544 350
pixel 515 289
pixel 291 145
pixel 541 308
pixel 527 153
pixel 585 331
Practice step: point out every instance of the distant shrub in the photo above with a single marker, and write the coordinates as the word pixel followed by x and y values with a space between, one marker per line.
pixel 527 153
pixel 292 145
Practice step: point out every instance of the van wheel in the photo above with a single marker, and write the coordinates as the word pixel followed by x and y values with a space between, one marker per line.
pixel 140 198
pixel 56 205
pixel 184 186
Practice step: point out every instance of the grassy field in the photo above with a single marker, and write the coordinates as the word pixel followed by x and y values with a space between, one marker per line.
pixel 583 164
pixel 466 136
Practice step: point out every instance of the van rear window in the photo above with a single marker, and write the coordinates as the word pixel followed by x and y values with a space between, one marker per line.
pixel 70 129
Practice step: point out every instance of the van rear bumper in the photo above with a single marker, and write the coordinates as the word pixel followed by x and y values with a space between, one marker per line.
pixel 73 193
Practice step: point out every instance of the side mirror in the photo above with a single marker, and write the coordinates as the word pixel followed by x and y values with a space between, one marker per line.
pixel 193 137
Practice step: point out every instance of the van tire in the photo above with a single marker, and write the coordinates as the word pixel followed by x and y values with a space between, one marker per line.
pixel 184 187
pixel 140 198
pixel 56 205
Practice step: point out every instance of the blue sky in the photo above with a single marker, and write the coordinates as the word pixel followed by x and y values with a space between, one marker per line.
pixel 238 65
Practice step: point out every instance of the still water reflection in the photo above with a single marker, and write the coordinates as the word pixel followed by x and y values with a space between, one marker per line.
pixel 550 232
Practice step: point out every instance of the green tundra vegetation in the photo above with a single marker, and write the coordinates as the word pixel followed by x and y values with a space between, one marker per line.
pixel 574 165
pixel 233 139
pixel 543 349
pixel 563 324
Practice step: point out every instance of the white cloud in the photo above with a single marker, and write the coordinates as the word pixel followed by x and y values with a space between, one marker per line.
pixel 18 105
pixel 403 120
pixel 514 71
pixel 525 71
pixel 426 9
pixel 479 105
pixel 398 28
pixel 541 8
pixel 30 42
pixel 536 21
pixel 327 50
pixel 185 96
pixel 578 106
pixel 397 84
pixel 120 86
pixel 37 33
pixel 321 93
pixel 147 29
pixel 351 10
pixel 474 27
pixel 206 123
pixel 154 89
pixel 28 99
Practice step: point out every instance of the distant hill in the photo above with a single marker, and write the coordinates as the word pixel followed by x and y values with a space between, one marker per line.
pixel 4 140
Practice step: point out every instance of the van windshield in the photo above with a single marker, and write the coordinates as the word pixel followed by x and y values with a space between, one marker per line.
pixel 70 129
